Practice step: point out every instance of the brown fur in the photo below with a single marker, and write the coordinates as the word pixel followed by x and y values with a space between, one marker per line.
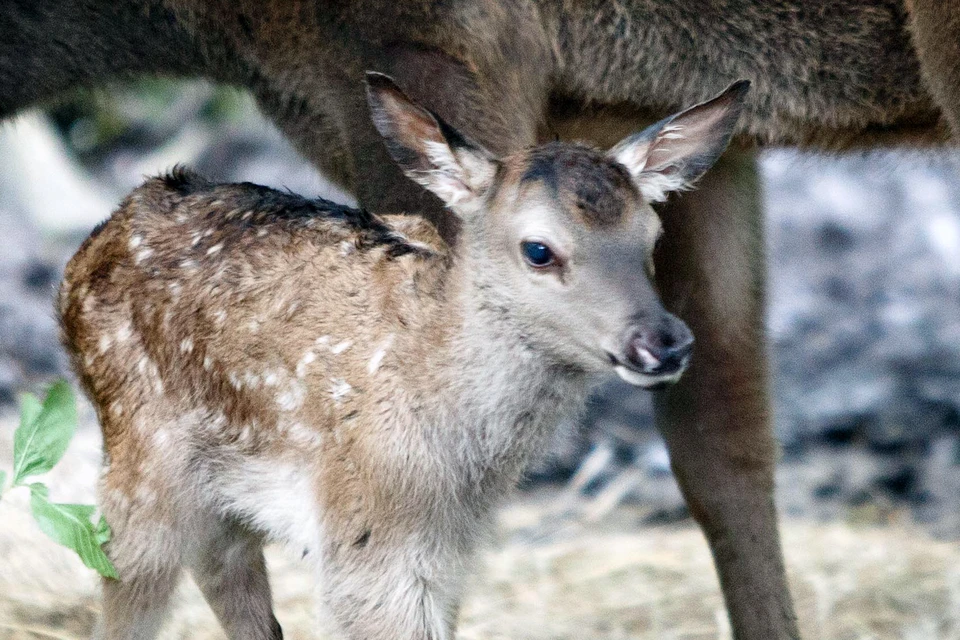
pixel 832 75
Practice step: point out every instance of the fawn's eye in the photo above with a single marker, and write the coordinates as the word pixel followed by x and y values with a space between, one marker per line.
pixel 537 254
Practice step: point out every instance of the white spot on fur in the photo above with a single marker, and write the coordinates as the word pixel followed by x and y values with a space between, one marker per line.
pixel 135 242
pixel 254 326
pixel 374 365
pixel 124 332
pixel 251 379
pixel 186 345
pixel 235 380
pixel 195 239
pixel 104 343
pixel 291 398
pixel 142 255
pixel 189 265
pixel 271 379
pixel 214 249
pixel 219 317
pixel 339 348
pixel 303 435
pixel 207 363
pixel 347 247
pixel 261 233
pixel 148 369
pixel 304 362
pixel 339 390
pixel 323 340
pixel 161 438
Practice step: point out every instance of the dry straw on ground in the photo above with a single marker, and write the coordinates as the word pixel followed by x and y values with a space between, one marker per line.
pixel 580 582
pixel 546 576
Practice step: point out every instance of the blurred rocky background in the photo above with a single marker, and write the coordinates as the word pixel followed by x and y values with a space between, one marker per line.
pixel 864 289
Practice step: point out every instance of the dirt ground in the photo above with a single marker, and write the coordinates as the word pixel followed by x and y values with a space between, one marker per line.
pixel 549 574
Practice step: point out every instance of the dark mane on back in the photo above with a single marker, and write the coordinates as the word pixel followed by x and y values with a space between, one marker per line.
pixel 270 206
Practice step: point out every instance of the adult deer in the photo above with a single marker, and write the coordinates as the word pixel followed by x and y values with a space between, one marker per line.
pixel 825 74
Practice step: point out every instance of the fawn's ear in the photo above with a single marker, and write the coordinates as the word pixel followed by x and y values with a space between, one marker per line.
pixel 673 153
pixel 430 151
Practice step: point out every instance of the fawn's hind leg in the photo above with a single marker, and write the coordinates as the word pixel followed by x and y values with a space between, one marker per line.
pixel 145 548
pixel 229 568
pixel 134 606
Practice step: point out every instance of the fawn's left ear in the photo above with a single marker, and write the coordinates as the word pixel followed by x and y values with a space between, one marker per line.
pixel 430 151
pixel 673 153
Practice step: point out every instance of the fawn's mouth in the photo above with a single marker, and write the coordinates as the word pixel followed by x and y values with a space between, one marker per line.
pixel 651 381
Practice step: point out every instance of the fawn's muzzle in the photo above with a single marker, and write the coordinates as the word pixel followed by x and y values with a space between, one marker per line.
pixel 659 352
pixel 654 355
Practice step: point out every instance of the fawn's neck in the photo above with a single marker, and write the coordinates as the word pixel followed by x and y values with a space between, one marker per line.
pixel 497 397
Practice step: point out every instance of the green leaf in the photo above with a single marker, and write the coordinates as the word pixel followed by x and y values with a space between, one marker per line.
pixel 102 532
pixel 44 433
pixel 30 409
pixel 70 525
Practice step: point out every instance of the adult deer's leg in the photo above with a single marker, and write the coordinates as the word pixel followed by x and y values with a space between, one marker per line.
pixel 717 420
pixel 935 25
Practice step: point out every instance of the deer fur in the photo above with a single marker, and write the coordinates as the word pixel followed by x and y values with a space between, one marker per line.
pixel 827 75
pixel 270 367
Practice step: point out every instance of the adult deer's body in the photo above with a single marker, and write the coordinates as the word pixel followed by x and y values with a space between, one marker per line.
pixel 830 74
pixel 269 366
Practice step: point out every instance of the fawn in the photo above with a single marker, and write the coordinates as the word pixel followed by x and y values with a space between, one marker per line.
pixel 270 367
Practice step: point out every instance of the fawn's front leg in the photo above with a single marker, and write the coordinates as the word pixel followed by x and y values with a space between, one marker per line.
pixel 716 420
pixel 391 591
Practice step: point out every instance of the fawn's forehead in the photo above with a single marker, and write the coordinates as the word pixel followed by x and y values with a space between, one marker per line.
pixel 594 189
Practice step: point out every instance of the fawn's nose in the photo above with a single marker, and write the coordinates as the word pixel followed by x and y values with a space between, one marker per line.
pixel 662 350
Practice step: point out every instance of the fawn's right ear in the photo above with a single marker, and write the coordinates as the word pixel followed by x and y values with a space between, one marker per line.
pixel 673 153
pixel 430 151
